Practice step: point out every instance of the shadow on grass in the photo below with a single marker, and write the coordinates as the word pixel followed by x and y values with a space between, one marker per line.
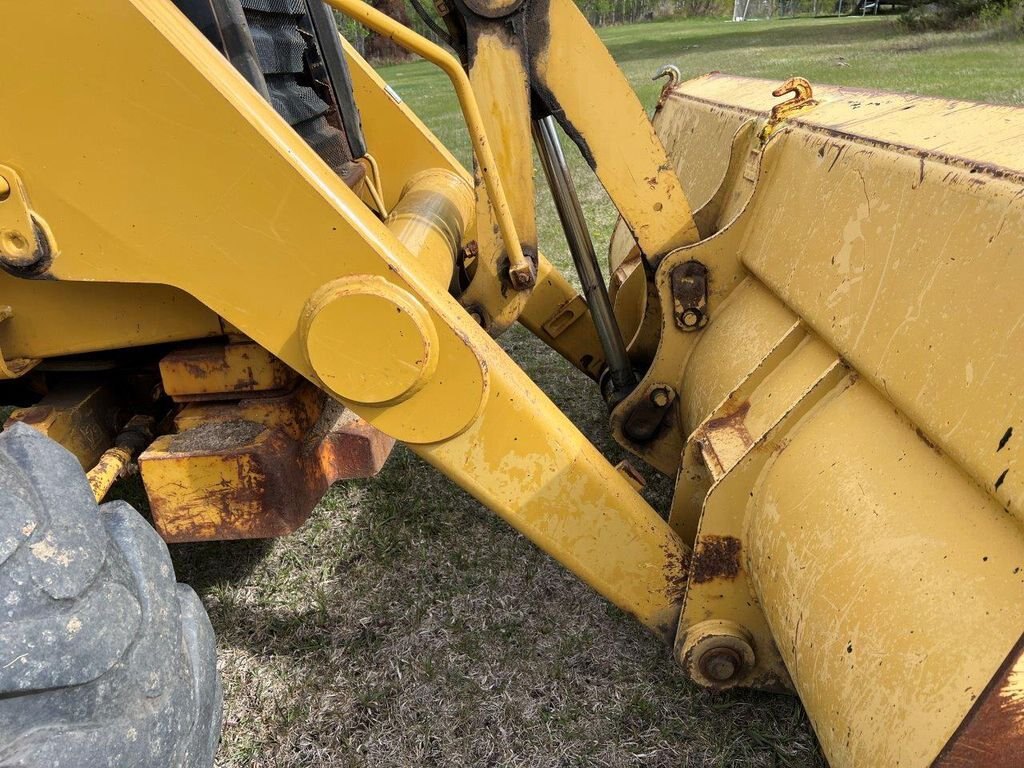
pixel 206 564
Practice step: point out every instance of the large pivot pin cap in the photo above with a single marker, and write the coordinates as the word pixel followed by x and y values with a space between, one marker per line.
pixel 368 340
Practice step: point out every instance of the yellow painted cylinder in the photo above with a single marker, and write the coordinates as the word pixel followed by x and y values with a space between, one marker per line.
pixel 430 219
pixel 893 585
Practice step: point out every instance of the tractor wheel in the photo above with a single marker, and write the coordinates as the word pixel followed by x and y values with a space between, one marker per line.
pixel 105 660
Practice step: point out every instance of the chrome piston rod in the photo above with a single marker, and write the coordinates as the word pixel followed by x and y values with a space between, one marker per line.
pixel 620 371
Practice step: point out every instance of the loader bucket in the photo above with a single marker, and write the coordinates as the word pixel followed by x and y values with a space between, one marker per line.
pixel 852 481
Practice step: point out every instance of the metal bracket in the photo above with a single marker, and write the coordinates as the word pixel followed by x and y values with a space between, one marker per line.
pixel 646 418
pixel 12 369
pixel 26 245
pixel 690 295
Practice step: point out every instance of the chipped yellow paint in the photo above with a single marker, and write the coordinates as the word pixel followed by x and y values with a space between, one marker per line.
pixel 852 407
pixel 291 229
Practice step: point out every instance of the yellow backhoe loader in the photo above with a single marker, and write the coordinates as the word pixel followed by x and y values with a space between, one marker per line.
pixel 233 256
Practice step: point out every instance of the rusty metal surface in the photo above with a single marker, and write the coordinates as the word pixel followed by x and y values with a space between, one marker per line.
pixel 992 734
pixel 223 371
pixel 690 295
pixel 255 468
pixel 715 557
pixel 647 417
pixel 83 417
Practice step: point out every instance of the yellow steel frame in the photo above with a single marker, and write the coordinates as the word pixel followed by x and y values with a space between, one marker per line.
pixel 846 431
pixel 213 194
pixel 819 423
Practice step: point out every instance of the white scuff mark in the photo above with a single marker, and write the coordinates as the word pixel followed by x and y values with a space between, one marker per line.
pixel 44 551
pixel 15 660
pixel 882 278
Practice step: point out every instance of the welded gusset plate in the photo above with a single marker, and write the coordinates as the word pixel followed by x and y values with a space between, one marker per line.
pixel 720 581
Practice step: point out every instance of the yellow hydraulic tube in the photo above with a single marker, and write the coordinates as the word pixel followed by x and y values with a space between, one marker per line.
pixel 135 436
pixel 521 270
pixel 110 466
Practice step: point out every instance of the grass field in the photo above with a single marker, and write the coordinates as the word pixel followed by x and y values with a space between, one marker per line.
pixel 404 625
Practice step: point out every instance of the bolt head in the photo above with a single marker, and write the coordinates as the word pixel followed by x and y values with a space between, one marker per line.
pixel 660 397
pixel 13 245
pixel 522 278
pixel 691 318
pixel 720 664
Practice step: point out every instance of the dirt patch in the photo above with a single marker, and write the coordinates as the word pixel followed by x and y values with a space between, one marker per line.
pixel 219 436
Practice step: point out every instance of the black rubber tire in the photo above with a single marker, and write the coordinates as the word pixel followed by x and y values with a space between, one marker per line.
pixel 104 659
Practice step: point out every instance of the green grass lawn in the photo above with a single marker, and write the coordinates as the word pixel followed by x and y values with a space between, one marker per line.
pixel 872 52
pixel 405 625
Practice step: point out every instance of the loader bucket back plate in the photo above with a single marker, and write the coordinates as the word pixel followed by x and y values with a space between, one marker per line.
pixel 852 481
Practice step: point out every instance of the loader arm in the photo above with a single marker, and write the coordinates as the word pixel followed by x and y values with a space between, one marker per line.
pixel 827 342
pixel 527 60
pixel 255 226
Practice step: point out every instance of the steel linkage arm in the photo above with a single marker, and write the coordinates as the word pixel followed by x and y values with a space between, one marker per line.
pixel 549 47
pixel 179 173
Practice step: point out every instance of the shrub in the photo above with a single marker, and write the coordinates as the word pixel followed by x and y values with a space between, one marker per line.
pixel 950 14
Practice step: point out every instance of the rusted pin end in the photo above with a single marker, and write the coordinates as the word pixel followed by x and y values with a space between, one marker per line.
pixel 671 71
pixel 661 396
pixel 717 654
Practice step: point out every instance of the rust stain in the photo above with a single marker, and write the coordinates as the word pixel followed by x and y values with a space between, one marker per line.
pixel 235 478
pixel 733 422
pixel 677 574
pixel 992 734
pixel 927 441
pixel 38 414
pixel 196 370
pixel 715 557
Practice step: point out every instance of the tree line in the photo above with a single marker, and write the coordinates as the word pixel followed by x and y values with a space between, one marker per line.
pixel 916 14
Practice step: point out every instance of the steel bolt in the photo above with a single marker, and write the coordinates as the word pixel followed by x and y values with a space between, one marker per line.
pixel 5 189
pixel 13 246
pixel 691 318
pixel 661 396
pixel 522 277
pixel 720 664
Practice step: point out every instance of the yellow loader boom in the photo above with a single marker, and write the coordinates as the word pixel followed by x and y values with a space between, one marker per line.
pixel 813 321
